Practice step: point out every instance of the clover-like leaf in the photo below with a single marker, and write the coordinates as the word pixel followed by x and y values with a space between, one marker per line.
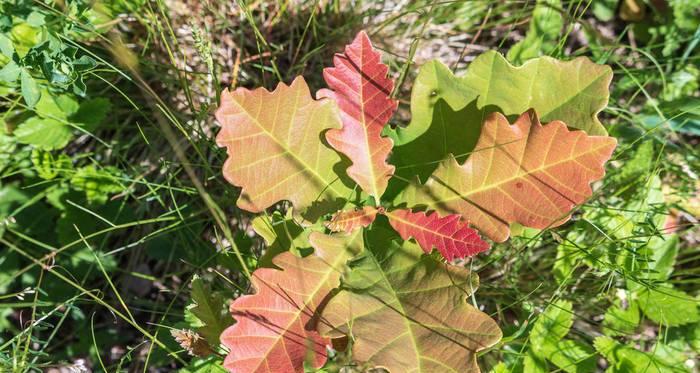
pixel 359 84
pixel 276 327
pixel 275 147
pixel 451 236
pixel 407 312
pixel 349 220
pixel 525 173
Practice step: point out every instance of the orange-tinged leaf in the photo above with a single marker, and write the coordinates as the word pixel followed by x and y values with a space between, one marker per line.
pixel 451 236
pixel 525 173
pixel 349 220
pixel 276 327
pixel 274 147
pixel 359 84
pixel 408 312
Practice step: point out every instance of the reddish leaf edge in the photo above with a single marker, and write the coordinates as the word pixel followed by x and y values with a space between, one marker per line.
pixel 451 234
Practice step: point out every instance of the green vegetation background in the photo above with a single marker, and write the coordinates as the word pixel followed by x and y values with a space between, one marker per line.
pixel 117 228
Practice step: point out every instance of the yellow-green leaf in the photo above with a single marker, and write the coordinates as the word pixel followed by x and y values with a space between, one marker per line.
pixel 408 312
pixel 276 151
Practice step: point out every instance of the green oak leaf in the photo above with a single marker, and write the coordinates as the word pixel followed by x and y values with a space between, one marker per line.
pixel 571 91
pixel 281 233
pixel 408 312
pixel 210 310
pixel 448 111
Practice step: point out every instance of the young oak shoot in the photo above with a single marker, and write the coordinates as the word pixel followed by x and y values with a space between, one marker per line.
pixel 371 279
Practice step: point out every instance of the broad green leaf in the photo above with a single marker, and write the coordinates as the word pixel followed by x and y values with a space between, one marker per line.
pixel 541 37
pixel 55 107
pixel 10 72
pixel 664 250
pixel 534 364
pixel 44 133
pixel 24 37
pixel 30 88
pixel 91 113
pixel 281 233
pixel 621 320
pixel 639 165
pixel 408 312
pixel 98 184
pixel 210 310
pixel 551 327
pixel 573 356
pixel 547 340
pixel 573 91
pixel 35 19
pixel 569 253
pixel 276 151
pixel 668 306
pixel 523 173
pixel 6 47
pixel 626 359
pixel 275 328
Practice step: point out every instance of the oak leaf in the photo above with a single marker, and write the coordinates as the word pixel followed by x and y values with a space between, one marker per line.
pixel 408 312
pixel 525 173
pixel 451 236
pixel 358 82
pixel 275 151
pixel 571 91
pixel 349 220
pixel 276 327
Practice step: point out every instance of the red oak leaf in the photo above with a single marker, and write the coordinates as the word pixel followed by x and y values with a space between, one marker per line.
pixel 349 220
pixel 449 235
pixel 275 328
pixel 359 84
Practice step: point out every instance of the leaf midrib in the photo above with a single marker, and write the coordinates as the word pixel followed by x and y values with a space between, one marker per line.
pixel 404 315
